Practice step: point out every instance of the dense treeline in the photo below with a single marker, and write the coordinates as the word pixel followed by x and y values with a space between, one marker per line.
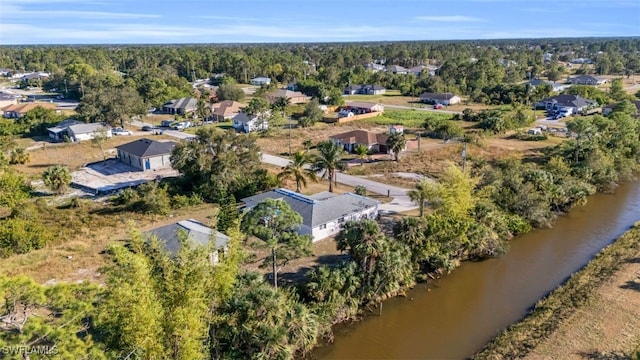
pixel 158 73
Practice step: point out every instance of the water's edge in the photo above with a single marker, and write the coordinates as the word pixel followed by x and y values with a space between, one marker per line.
pixel 454 317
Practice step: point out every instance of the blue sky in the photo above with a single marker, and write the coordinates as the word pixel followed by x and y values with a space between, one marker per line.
pixel 222 21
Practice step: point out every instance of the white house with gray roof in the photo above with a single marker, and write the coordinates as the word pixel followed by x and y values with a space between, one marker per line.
pixel 323 214
pixel 146 154
pixel 77 131
pixel 198 233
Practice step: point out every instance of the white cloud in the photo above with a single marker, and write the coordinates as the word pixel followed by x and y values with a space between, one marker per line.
pixel 449 18
pixel 18 12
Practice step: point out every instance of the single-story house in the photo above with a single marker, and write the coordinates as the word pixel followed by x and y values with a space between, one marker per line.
pixel 16 111
pixel 181 106
pixel 146 154
pixel 323 214
pixel 198 233
pixel 439 98
pixel 374 67
pixel 225 110
pixel 259 81
pixel 249 123
pixel 587 80
pixel 83 131
pixel 554 86
pixel 7 99
pixel 572 104
pixel 37 76
pixel 295 97
pixel 397 69
pixel 60 132
pixel 608 109
pixel 374 142
pixel 361 107
pixel 364 90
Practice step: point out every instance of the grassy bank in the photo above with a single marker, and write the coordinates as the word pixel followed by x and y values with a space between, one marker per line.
pixel 547 315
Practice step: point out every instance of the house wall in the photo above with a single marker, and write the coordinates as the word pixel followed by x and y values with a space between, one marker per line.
pixel 159 162
pixel 334 227
pixel 156 162
pixel 87 136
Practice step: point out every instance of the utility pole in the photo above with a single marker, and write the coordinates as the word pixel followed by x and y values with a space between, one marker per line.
pixel 289 121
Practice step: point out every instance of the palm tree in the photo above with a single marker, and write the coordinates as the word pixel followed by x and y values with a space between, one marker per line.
pixel 203 110
pixel 328 160
pixel 57 178
pixel 297 170
pixel 396 143
pixel 421 193
pixel 361 150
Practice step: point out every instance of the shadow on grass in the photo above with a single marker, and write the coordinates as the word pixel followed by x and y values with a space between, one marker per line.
pixel 297 277
pixel 631 285
pixel 596 355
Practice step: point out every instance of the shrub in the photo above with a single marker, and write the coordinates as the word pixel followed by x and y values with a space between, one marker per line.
pixel 360 190
pixel 19 236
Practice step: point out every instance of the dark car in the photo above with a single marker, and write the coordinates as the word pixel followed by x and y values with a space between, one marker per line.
pixel 147 128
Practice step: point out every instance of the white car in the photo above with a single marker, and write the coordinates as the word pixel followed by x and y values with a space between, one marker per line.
pixel 120 131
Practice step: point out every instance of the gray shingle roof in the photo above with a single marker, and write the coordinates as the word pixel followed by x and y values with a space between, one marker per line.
pixel 183 103
pixel 88 128
pixel 146 147
pixel 196 231
pixel 569 100
pixel 317 209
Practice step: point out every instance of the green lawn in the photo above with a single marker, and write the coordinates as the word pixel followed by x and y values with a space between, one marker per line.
pixel 408 118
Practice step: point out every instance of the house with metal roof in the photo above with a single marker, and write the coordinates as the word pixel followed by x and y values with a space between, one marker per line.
pixel 146 154
pixel 198 233
pixel 323 214
pixel 364 90
pixel 180 106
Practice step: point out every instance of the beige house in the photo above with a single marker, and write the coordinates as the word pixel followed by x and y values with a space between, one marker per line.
pixel 225 110
pixel 295 97
pixel 146 154
pixel 439 98
pixel 16 111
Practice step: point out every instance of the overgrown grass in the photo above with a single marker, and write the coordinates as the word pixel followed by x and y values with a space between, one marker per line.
pixel 408 118
pixel 522 337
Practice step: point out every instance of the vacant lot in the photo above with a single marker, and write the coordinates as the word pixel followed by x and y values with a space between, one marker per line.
pixel 72 155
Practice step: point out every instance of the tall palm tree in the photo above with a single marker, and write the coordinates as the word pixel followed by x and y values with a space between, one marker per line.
pixel 328 160
pixel 203 110
pixel 421 193
pixel 298 171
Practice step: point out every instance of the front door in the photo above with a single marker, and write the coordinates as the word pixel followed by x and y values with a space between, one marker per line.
pixel 147 164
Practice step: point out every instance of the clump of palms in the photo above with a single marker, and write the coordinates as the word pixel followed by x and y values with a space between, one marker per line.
pixel 19 156
pixel 298 171
pixel 57 178
pixel 328 160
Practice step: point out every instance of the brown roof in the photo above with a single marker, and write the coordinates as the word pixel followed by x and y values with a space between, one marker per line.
pixel 361 137
pixel 227 107
pixel 284 93
pixel 22 108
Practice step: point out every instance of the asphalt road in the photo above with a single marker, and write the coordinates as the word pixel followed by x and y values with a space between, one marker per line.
pixel 399 203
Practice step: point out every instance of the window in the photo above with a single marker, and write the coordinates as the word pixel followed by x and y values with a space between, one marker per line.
pixel 341 220
pixel 323 226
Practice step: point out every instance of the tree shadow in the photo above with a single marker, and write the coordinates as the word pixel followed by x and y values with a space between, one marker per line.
pixel 597 355
pixel 293 278
pixel 631 285
pixel 634 261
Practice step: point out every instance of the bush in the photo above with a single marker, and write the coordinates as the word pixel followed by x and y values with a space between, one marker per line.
pixel 19 236
pixel 531 137
pixel 360 190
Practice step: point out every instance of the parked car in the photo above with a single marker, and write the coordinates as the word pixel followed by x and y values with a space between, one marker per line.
pixel 147 128
pixel 177 126
pixel 120 131
pixel 438 106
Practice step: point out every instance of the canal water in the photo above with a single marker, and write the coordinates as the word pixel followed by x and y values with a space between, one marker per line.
pixel 454 317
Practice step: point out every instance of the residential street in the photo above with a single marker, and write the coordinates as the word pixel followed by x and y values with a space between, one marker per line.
pixel 399 203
